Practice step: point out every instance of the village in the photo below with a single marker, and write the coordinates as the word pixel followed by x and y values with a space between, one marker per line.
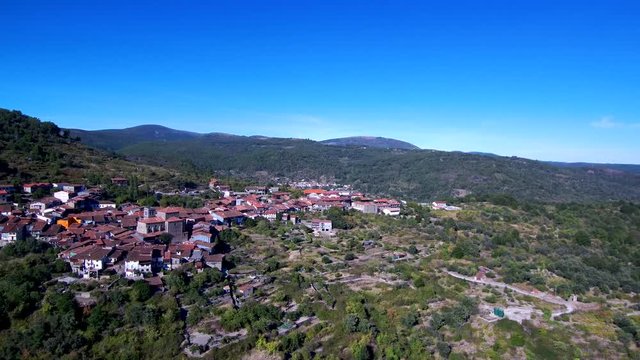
pixel 97 236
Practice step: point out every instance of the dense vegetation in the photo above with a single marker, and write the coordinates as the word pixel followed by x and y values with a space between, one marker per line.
pixel 418 174
pixel 32 150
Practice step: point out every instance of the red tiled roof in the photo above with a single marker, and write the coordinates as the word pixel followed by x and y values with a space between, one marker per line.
pixel 152 220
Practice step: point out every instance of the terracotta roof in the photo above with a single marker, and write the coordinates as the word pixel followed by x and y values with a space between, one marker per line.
pixel 152 220
pixel 313 191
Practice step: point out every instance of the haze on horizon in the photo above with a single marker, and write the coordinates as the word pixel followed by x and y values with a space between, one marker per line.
pixel 542 80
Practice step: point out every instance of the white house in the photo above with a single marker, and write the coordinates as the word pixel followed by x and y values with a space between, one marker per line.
pixel 95 261
pixel 62 195
pixel 321 227
pixel 137 264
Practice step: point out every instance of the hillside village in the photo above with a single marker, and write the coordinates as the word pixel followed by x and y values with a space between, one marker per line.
pixel 97 235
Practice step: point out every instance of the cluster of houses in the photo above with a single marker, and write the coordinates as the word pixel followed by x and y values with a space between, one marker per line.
pixel 97 236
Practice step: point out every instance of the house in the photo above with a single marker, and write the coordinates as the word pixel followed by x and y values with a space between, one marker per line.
pixel 44 203
pixel 321 226
pixel 366 207
pixel 32 187
pixel 313 193
pixel 106 204
pixel 201 235
pixel 228 217
pixel 63 195
pixel 119 181
pixel 72 188
pixel 271 214
pixel 137 264
pixel 12 232
pixel 256 190
pixel 214 260
pixel 94 261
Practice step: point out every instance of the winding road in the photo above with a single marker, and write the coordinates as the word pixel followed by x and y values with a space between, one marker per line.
pixel 570 306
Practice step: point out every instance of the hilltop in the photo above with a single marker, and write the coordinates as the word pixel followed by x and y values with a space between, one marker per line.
pixel 33 150
pixel 115 139
pixel 371 141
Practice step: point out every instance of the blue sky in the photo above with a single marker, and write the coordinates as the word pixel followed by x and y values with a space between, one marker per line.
pixel 550 80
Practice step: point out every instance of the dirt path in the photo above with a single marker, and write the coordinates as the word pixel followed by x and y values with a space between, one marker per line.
pixel 570 306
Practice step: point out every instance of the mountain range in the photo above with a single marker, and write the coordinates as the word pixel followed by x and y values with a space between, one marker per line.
pixel 382 166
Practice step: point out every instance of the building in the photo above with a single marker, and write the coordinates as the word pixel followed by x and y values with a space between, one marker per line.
pixel 63 195
pixel 137 264
pixel 119 181
pixel 228 217
pixel 365 207
pixel 150 225
pixel 175 227
pixel 214 260
pixel 44 203
pixel 95 261
pixel 321 227
pixel 31 188
pixel 256 190
pixel 169 212
pixel 12 232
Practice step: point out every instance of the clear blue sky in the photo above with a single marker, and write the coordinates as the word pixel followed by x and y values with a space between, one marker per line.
pixel 551 80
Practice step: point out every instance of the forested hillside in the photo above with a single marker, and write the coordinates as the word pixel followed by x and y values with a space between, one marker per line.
pixel 32 150
pixel 416 174
pixel 371 141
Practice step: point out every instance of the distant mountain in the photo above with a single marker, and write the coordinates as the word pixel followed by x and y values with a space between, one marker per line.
pixel 374 165
pixel 370 141
pixel 115 139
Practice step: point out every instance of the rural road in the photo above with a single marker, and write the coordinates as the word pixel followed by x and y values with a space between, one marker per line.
pixel 570 306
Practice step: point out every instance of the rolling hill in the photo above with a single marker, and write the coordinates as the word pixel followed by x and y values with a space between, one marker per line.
pixel 115 139
pixel 32 150
pixel 370 141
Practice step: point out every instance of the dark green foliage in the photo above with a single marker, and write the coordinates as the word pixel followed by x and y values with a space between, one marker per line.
pixel 258 317
pixel 582 238
pixel 627 326
pixel 339 218
pixel 292 342
pixel 410 319
pixel 455 316
pixel 444 349
pixel 140 291
pixel 21 248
